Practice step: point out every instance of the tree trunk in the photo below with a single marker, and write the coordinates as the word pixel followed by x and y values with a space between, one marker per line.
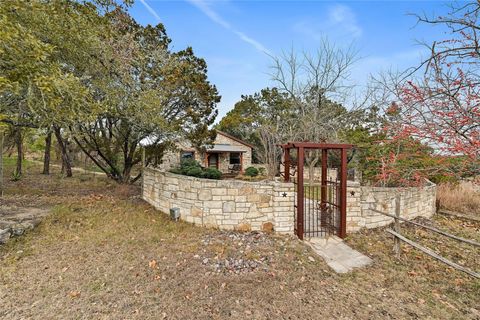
pixel 46 158
pixel 19 143
pixel 66 165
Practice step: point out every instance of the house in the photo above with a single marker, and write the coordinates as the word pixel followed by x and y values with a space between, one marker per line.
pixel 227 154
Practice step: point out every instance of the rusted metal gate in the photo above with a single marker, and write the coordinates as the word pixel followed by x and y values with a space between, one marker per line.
pixel 320 199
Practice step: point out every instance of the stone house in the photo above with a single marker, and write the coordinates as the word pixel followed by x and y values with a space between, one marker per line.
pixel 227 154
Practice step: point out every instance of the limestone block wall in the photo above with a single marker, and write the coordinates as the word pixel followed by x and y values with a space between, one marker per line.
pixel 414 202
pixel 225 204
pixel 268 205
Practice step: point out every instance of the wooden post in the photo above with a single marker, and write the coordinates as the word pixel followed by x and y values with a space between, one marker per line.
pixel 286 164
pixel 300 192
pixel 342 232
pixel 241 162
pixel 323 189
pixel 397 227
pixel 143 168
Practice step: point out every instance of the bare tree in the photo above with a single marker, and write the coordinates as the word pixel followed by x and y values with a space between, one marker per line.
pixel 317 84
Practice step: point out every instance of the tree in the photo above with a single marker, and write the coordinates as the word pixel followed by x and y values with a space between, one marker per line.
pixel 314 83
pixel 48 58
pixel 258 119
pixel 153 96
pixel 442 106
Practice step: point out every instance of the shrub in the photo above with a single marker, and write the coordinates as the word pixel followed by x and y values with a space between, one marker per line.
pixel 211 173
pixel 194 172
pixel 262 171
pixel 190 167
pixel 189 164
pixel 176 171
pixel 251 172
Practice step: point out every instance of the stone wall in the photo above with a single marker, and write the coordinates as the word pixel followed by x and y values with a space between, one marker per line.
pixel 268 205
pixel 414 202
pixel 224 204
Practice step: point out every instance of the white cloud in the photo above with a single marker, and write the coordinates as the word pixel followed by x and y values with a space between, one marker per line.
pixel 342 16
pixel 340 22
pixel 210 13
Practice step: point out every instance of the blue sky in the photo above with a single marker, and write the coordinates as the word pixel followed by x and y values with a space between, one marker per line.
pixel 232 36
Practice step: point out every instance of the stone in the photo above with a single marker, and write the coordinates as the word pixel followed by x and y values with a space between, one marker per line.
pixel 244 191
pixel 267 227
pixel 4 235
pixel 229 207
pixel 253 213
pixel 243 227
pixel 205 195
pixel 197 212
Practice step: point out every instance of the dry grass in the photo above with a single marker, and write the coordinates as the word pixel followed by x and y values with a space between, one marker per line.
pixel 459 197
pixel 92 259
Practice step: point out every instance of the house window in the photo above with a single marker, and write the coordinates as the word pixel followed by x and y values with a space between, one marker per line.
pixel 187 155
pixel 235 158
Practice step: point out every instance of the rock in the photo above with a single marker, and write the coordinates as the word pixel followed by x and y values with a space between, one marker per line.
pixel 243 227
pixel 4 235
pixel 267 227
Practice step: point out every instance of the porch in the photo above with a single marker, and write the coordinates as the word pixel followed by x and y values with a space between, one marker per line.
pixel 226 158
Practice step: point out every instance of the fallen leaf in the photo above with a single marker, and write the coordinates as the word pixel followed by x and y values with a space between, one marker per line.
pixel 152 264
pixel 74 294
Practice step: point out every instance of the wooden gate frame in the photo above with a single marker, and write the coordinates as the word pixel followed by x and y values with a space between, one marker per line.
pixel 301 147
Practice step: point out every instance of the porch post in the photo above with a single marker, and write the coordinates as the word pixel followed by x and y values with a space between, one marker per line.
pixel 300 192
pixel 286 163
pixel 342 232
pixel 241 162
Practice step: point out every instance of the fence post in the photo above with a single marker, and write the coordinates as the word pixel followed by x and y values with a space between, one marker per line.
pixel 397 226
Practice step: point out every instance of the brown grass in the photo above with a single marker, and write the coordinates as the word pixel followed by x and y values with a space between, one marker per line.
pixel 459 197
pixel 92 259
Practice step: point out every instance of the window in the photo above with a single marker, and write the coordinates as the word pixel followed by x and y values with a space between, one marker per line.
pixel 187 155
pixel 235 158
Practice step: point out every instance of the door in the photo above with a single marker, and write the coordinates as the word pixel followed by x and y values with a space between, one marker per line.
pixel 213 160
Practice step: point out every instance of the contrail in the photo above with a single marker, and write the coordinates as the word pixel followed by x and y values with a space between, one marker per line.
pixel 151 10
pixel 202 6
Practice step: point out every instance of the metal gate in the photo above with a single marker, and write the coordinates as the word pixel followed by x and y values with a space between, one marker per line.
pixel 320 195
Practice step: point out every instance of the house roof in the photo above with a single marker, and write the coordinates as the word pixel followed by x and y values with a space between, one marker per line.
pixel 234 138
pixel 224 148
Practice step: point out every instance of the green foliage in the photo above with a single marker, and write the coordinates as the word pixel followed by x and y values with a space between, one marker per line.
pixel 251 172
pixel 267 107
pixel 189 164
pixel 190 167
pixel 16 176
pixel 194 172
pixel 211 173
pixel 92 72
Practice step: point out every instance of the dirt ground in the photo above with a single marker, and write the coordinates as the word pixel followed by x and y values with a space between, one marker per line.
pixel 103 253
